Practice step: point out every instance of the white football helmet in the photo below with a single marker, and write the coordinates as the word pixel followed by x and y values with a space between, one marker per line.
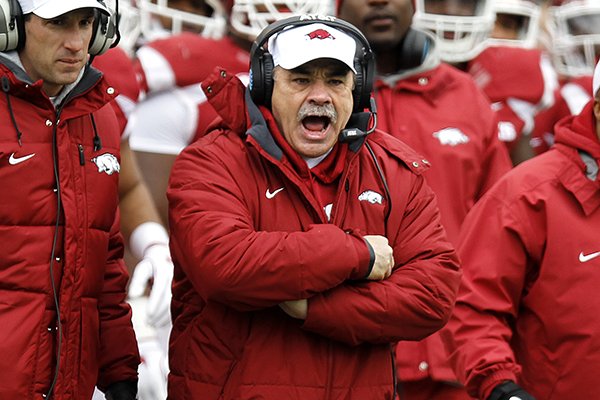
pixel 249 17
pixel 575 33
pixel 527 15
pixel 461 26
pixel 128 23
pixel 161 18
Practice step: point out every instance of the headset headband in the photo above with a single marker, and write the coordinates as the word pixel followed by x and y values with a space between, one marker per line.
pixel 308 19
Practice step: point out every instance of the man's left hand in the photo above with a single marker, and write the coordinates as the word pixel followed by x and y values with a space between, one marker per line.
pixel 295 308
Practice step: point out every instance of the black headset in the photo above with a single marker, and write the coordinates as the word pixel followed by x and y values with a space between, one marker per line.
pixel 261 61
pixel 12 29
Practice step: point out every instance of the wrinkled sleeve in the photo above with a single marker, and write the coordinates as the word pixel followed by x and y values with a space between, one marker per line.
pixel 495 261
pixel 119 356
pixel 415 301
pixel 215 244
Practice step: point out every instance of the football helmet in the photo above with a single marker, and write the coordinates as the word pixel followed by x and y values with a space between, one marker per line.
pixel 161 18
pixel 574 28
pixel 128 23
pixel 249 17
pixel 461 26
pixel 525 14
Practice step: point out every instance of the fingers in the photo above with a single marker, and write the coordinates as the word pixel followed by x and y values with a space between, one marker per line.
pixel 139 279
pixel 384 257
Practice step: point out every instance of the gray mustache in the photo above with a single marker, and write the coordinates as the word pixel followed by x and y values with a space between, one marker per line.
pixel 312 110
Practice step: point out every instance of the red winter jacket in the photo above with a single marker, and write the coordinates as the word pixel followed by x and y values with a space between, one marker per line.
pixel 439 111
pixel 529 303
pixel 247 235
pixel 96 339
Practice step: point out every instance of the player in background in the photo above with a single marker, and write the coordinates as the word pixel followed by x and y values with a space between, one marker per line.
pixel 502 57
pixel 145 237
pixel 574 41
pixel 171 70
pixel 516 74
pixel 440 112
pixel 148 257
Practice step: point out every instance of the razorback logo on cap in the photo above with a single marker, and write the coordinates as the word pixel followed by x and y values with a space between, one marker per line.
pixel 320 34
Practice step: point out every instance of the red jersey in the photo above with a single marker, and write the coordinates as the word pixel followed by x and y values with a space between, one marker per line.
pixel 117 67
pixel 442 114
pixel 570 99
pixel 172 69
pixel 519 83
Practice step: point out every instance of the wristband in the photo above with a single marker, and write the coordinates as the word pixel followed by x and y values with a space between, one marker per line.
pixel 146 235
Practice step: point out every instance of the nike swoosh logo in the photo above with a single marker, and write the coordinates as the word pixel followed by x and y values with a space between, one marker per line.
pixel 585 258
pixel 17 160
pixel 270 194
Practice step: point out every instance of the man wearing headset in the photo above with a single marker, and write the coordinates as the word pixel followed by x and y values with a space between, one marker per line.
pixel 417 95
pixel 303 246
pixel 65 323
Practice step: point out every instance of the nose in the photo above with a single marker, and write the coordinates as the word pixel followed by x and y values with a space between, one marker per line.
pixel 75 40
pixel 319 93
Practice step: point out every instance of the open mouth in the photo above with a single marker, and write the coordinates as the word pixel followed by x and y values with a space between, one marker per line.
pixel 315 123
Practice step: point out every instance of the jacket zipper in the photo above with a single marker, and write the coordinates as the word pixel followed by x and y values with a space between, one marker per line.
pixel 81 155
pixel 395 376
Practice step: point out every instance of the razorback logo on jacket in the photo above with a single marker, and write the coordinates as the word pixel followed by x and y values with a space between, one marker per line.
pixel 451 136
pixel 107 163
pixel 371 196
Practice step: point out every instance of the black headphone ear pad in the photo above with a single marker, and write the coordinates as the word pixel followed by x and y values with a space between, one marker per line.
pixel 268 78
pixel 261 78
pixel 357 93
pixel 256 85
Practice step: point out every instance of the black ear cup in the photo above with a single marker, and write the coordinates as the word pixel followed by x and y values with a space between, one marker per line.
pixel 261 61
pixel 363 86
pixel 261 77
pixel 267 69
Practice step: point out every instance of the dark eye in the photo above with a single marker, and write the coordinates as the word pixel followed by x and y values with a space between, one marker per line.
pixel 88 21
pixel 57 21
pixel 300 80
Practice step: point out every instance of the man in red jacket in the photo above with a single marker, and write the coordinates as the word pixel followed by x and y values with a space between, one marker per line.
pixel 304 244
pixel 65 323
pixel 525 324
pixel 441 113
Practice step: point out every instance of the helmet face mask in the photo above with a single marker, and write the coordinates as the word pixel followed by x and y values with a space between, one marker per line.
pixel 575 33
pixel 520 19
pixel 461 26
pixel 249 17
pixel 161 18
pixel 128 22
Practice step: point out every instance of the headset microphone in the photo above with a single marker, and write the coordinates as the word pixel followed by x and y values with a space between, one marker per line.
pixel 358 121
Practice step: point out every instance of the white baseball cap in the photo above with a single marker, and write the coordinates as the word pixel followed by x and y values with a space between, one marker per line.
pixel 49 9
pixel 295 46
pixel 596 81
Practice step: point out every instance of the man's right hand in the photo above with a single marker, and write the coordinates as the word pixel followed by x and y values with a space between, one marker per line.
pixel 384 257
